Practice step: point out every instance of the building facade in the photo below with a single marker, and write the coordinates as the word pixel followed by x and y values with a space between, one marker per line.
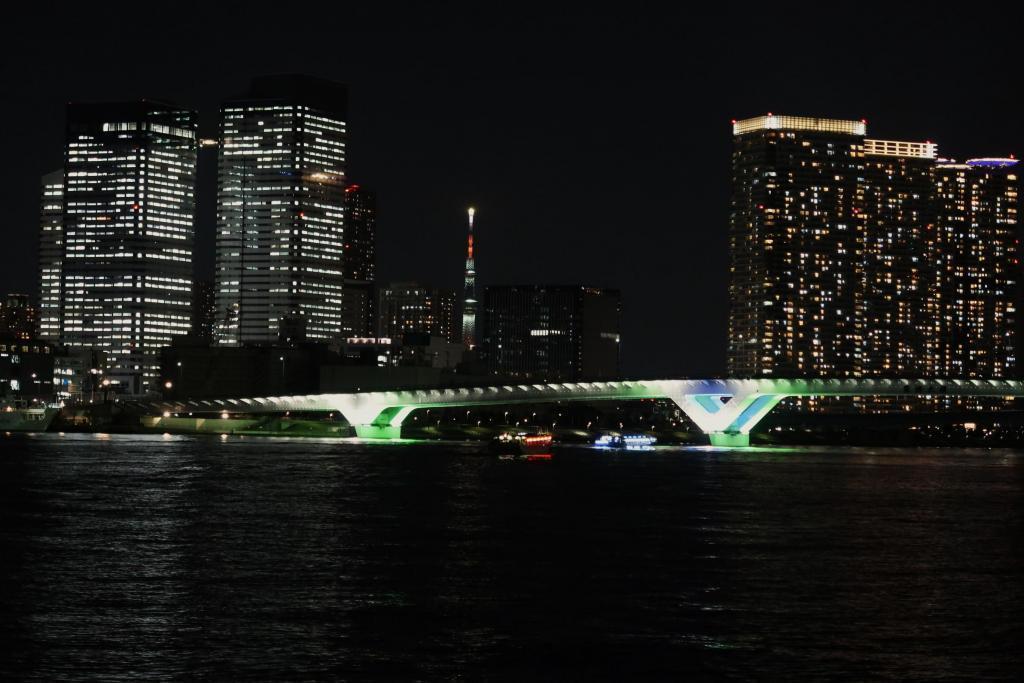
pixel 51 253
pixel 204 310
pixel 280 211
pixel 897 262
pixel 408 307
pixel 360 264
pixel 552 333
pixel 128 222
pixel 973 310
pixel 856 257
pixel 795 233
pixel 19 319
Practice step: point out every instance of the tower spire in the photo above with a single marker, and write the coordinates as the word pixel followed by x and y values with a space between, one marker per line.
pixel 469 301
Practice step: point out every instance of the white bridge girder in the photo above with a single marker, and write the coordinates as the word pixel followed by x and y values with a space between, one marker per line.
pixel 725 409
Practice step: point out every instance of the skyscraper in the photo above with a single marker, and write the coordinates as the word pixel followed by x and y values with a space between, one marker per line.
pixel 204 310
pixel 565 333
pixel 360 262
pixel 128 219
pixel 795 235
pixel 51 253
pixel 975 247
pixel 469 301
pixel 897 266
pixel 862 257
pixel 281 204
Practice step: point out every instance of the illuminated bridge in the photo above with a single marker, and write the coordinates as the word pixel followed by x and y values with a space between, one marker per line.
pixel 725 409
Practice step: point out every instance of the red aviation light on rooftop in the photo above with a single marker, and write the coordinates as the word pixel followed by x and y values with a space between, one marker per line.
pixel 352 188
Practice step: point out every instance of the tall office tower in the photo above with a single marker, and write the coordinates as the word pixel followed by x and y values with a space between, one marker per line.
pixel 280 211
pixel 406 307
pixel 469 299
pixel 19 319
pixel 552 333
pixel 977 256
pixel 129 209
pixel 896 340
pixel 360 262
pixel 204 310
pixel 795 233
pixel 51 253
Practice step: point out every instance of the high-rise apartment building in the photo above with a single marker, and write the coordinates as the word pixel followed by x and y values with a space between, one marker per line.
pixel 975 248
pixel 360 262
pixel 280 213
pixel 870 258
pixel 51 253
pixel 410 308
pixel 552 334
pixel 897 268
pixel 128 224
pixel 795 235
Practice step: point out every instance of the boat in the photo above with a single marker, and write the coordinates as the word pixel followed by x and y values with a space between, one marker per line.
pixel 625 441
pixel 529 443
pixel 20 416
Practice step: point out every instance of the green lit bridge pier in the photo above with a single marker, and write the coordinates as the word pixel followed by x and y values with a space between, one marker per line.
pixel 724 409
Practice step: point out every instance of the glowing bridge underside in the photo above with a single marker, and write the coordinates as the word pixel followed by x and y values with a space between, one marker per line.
pixel 725 409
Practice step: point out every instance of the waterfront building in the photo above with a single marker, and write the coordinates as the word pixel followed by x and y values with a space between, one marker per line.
pixel 795 232
pixel 280 211
pixel 204 310
pixel 51 253
pixel 19 319
pixel 128 222
pixel 408 307
pixel 974 245
pixel 897 260
pixel 26 370
pixel 857 257
pixel 552 333
pixel 360 262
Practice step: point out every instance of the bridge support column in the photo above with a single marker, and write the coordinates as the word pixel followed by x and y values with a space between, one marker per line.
pixel 728 423
pixel 729 439
pixel 386 425
pixel 373 431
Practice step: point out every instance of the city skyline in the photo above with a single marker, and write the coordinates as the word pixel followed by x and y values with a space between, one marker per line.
pixel 525 153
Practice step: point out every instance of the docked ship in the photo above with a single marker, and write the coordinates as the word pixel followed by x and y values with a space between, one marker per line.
pixel 19 416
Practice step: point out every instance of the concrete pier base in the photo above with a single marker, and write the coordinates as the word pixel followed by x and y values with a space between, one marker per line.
pixel 378 432
pixel 729 440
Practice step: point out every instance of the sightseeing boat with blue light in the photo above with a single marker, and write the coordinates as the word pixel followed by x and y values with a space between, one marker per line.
pixel 625 441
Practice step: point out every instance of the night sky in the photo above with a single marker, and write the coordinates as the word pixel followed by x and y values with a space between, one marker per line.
pixel 595 147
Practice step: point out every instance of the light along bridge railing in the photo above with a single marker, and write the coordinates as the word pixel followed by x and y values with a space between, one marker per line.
pixel 725 409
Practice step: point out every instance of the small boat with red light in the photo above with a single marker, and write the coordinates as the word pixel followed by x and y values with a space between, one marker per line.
pixel 522 442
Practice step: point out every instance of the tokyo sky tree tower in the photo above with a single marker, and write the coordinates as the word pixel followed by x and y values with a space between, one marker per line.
pixel 469 303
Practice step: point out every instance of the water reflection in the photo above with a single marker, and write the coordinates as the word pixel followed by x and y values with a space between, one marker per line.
pixel 177 557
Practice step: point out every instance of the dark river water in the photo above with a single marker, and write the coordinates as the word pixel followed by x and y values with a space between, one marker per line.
pixel 149 558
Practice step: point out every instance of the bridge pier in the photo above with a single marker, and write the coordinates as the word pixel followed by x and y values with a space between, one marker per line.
pixel 729 439
pixel 373 431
